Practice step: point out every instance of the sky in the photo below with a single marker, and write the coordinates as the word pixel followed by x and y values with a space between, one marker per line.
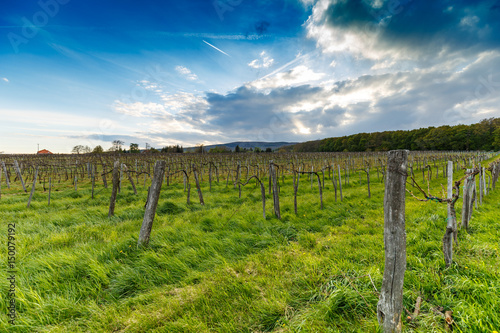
pixel 76 72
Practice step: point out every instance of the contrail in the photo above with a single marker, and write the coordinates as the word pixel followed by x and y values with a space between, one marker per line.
pixel 216 48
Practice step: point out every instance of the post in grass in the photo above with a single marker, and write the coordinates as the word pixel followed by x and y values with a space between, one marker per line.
pixel 152 203
pixel 390 304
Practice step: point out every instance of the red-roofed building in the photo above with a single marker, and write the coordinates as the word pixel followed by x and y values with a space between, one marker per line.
pixel 44 152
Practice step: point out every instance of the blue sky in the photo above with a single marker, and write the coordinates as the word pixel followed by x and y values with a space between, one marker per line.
pixel 189 72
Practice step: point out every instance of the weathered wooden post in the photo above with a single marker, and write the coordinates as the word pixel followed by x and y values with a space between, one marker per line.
pixel 50 189
pixel 18 171
pixel 276 198
pixel 263 195
pixel 104 176
pixel 451 223
pixel 114 191
pixel 93 180
pixel 198 187
pixel 295 188
pixel 334 181
pixel 468 199
pixel 152 203
pixel 390 303
pixel 320 190
pixel 33 187
pixel 131 180
pixel 6 175
pixel 340 183
pixel 480 186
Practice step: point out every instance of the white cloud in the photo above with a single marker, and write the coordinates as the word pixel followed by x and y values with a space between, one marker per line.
pixel 296 76
pixel 186 72
pixel 183 102
pixel 5 79
pixel 264 62
pixel 139 109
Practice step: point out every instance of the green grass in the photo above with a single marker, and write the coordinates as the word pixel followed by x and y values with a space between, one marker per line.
pixel 222 267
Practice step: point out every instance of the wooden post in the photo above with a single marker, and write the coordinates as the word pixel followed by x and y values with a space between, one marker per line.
pixel 340 183
pixel 18 171
pixel 368 181
pixel 50 189
pixel 451 224
pixel 320 190
pixel 104 176
pixel 152 203
pixel 93 180
pixel 390 304
pixel 6 175
pixel 276 198
pixel 480 185
pixel 131 180
pixel 114 191
pixel 198 187
pixel 295 186
pixel 467 200
pixel 334 181
pixel 33 187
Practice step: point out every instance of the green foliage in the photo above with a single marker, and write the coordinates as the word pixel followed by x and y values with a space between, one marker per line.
pixel 484 135
pixel 172 149
pixel 134 148
pixel 219 149
pixel 98 150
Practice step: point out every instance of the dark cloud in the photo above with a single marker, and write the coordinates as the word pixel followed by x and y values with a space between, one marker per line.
pixel 426 27
pixel 248 108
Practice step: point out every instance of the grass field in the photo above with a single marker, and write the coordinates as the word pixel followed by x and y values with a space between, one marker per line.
pixel 223 268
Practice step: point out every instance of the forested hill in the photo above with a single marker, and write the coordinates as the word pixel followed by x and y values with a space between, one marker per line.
pixel 484 135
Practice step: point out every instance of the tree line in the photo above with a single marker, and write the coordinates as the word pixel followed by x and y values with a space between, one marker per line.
pixel 484 135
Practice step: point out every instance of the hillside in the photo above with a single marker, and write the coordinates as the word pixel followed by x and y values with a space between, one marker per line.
pixel 247 144
pixel 484 135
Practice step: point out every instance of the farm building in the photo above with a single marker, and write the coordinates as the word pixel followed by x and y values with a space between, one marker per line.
pixel 44 152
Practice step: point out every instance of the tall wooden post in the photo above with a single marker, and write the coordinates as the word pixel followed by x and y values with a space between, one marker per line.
pixel 114 191
pixel 50 189
pixel 340 183
pixel 198 187
pixel 6 175
pixel 152 203
pixel 276 197
pixel 451 223
pixel 18 171
pixel 33 187
pixel 390 304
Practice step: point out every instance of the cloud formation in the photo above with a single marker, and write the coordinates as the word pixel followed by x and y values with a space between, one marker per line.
pixel 186 73
pixel 264 62
pixel 381 65
pixel 404 29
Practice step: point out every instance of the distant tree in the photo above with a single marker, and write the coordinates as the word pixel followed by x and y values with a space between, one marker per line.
pixel 153 150
pixel 237 149
pixel 269 150
pixel 97 150
pixel 199 149
pixel 117 145
pixel 172 149
pixel 219 149
pixel 134 148
pixel 86 150
pixel 257 150
pixel 496 139
pixel 78 149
